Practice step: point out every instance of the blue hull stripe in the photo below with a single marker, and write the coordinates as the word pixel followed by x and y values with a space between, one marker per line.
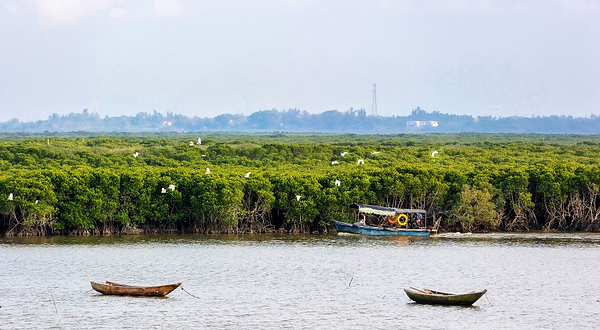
pixel 378 231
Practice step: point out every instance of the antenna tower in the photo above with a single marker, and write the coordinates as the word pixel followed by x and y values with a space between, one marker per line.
pixel 374 105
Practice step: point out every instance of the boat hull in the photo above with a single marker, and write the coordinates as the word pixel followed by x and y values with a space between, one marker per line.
pixel 343 227
pixel 440 298
pixel 110 288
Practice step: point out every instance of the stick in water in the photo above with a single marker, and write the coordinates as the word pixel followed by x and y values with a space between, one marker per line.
pixel 350 281
pixel 54 302
pixel 56 310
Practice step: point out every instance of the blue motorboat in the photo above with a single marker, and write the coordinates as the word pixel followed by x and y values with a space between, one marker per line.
pixel 398 222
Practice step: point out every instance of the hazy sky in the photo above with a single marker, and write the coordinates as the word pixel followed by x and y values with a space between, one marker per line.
pixel 207 57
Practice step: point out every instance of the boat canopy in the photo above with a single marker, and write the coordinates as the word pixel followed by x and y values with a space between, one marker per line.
pixel 383 210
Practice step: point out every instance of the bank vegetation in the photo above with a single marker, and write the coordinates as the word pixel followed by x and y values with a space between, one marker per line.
pixel 287 183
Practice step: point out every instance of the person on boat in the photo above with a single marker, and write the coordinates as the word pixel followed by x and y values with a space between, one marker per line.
pixel 412 221
pixel 362 220
pixel 418 220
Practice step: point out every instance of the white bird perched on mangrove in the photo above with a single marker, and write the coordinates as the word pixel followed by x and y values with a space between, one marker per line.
pixel 191 143
pixel 10 197
pixel 360 161
pixel 334 162
pixel 136 154
pixel 338 182
pixel 434 153
pixel 375 152
pixel 199 141
pixel 207 170
pixel 298 197
pixel 172 187
pixel 247 175
pixel 36 201
pixel 163 191
pixel 343 154
pixel 203 155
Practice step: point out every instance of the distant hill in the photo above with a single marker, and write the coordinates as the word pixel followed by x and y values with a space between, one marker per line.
pixel 294 120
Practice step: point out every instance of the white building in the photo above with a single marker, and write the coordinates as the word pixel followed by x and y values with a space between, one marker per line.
pixel 421 123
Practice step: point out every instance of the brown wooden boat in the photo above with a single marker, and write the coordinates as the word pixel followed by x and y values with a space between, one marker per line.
pixel 132 290
pixel 427 296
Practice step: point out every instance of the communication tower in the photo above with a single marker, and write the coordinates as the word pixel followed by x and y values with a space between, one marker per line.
pixel 374 105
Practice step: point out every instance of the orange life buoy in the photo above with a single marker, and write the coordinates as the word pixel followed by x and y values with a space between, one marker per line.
pixel 391 220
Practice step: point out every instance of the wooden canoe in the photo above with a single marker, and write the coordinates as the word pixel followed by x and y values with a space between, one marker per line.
pixel 112 288
pixel 426 296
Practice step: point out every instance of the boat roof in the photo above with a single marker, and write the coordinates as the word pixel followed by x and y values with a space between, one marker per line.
pixel 383 210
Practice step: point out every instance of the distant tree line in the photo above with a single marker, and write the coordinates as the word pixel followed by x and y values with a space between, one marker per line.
pixel 294 120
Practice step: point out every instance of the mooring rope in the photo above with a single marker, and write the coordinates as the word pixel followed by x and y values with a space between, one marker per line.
pixel 184 290
pixel 488 299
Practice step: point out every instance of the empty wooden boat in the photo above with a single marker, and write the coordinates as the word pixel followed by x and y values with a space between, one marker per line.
pixel 112 288
pixel 427 296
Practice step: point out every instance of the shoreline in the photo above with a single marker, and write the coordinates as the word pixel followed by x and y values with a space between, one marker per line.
pixel 281 232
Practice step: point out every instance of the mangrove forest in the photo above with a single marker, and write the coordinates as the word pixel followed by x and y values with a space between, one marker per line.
pixel 273 182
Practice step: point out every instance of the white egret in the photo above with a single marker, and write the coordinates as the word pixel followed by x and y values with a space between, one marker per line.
pixel 334 162
pixel 163 191
pixel 203 155
pixel 136 154
pixel 172 187
pixel 434 153
pixel 375 152
pixel 10 197
pixel 343 154
pixel 338 183
pixel 191 143
pixel 247 175
pixel 199 141
pixel 36 201
pixel 207 170
pixel 360 161
pixel 298 197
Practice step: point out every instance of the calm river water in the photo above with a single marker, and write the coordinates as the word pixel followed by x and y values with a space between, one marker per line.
pixel 534 281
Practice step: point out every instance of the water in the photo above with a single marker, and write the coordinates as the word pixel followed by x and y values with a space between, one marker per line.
pixel 534 281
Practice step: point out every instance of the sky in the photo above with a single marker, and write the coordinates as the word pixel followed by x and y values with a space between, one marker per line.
pixel 208 57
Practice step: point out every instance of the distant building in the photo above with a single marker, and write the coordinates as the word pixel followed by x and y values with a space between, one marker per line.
pixel 362 113
pixel 167 123
pixel 421 123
